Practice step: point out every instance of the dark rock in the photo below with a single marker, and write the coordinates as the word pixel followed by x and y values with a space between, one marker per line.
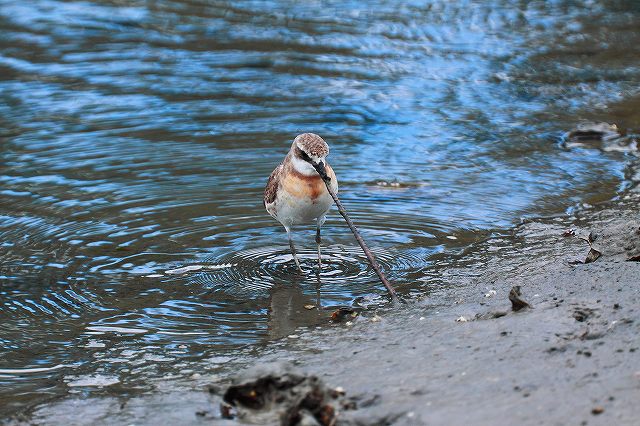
pixel 517 303
pixel 291 398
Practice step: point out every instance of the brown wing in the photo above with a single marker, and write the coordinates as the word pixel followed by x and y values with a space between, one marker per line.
pixel 272 186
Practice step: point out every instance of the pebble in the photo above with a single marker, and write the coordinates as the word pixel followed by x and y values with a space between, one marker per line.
pixel 490 293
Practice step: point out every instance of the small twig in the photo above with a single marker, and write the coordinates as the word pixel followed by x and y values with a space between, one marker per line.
pixel 367 252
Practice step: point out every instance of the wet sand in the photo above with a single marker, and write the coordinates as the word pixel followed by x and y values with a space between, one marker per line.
pixel 459 355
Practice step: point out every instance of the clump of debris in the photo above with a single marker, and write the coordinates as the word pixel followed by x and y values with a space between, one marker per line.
pixel 276 394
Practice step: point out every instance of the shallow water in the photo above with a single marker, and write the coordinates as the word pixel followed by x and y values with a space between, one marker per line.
pixel 136 142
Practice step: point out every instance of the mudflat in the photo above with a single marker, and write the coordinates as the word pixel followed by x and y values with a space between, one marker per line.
pixel 458 355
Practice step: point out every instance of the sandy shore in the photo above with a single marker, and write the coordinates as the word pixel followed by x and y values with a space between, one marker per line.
pixel 460 355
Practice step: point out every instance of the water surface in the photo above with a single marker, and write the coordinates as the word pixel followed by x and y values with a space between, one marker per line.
pixel 137 138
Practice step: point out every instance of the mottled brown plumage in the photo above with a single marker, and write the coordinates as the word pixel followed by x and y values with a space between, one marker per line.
pixel 312 144
pixel 271 189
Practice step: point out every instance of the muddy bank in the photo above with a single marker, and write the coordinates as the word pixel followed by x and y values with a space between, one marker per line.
pixel 460 354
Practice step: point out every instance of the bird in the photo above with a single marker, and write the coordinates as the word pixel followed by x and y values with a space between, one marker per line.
pixel 296 193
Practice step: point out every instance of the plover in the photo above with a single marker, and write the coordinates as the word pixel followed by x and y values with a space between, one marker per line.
pixel 295 192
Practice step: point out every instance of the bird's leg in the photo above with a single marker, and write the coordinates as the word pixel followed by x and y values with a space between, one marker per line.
pixel 319 240
pixel 293 249
pixel 318 285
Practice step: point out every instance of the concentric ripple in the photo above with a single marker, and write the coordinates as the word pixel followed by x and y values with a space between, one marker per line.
pixel 256 271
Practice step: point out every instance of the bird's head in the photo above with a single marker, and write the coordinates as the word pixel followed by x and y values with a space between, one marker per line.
pixel 309 154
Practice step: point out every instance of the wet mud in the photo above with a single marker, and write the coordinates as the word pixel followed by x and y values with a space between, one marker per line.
pixel 460 354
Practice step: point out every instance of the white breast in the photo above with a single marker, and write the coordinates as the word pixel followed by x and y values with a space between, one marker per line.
pixel 295 211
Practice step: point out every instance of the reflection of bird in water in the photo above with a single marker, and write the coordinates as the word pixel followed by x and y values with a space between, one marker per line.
pixel 295 193
pixel 288 310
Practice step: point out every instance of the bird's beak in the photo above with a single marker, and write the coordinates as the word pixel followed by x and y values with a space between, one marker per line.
pixel 319 166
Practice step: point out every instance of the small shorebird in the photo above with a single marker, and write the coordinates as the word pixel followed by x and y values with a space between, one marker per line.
pixel 295 193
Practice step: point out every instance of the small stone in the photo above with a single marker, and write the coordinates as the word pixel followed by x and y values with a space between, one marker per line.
pixel 461 319
pixel 597 410
pixel 490 293
pixel 515 296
